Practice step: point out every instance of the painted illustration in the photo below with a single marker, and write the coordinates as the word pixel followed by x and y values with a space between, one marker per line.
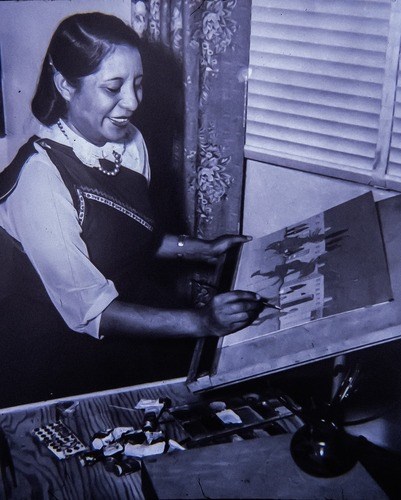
pixel 328 264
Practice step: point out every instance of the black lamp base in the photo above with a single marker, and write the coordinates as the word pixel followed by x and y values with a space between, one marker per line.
pixel 322 449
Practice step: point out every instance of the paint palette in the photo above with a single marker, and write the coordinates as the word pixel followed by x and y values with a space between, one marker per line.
pixel 59 439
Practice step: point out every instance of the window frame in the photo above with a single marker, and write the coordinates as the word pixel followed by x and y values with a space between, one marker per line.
pixel 378 176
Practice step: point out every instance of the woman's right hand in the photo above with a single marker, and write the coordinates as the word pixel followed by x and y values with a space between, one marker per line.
pixel 225 313
pixel 229 312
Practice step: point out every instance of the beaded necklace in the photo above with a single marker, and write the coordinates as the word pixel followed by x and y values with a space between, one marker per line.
pixel 117 156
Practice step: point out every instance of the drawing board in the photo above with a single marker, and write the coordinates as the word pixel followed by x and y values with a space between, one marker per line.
pixel 336 277
pixel 327 264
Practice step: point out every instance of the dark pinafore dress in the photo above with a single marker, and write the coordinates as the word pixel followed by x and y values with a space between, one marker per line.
pixel 40 357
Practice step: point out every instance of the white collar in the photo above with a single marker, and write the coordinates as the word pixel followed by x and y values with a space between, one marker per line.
pixel 88 153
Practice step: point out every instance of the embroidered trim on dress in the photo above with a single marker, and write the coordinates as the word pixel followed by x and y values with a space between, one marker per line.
pixel 102 198
pixel 81 214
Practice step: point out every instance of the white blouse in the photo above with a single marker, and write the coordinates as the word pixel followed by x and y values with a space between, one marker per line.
pixel 40 214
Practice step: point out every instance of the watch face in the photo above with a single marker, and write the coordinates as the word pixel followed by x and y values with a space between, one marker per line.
pixel 180 241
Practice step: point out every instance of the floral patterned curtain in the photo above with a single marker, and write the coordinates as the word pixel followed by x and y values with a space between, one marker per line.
pixel 196 60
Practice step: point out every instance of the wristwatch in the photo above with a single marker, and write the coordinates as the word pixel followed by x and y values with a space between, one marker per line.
pixel 181 243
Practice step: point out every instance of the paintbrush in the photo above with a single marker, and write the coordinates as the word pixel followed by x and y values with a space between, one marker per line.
pixel 263 300
pixel 266 303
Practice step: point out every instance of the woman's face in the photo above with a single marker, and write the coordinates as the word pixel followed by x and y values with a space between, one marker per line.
pixel 101 107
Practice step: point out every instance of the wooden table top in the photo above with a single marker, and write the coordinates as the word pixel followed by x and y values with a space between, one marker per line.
pixel 256 468
pixel 41 475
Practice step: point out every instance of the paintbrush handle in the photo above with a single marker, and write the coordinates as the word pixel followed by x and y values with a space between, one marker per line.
pixel 266 303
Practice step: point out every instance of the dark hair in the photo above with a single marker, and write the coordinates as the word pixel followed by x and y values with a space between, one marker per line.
pixel 76 50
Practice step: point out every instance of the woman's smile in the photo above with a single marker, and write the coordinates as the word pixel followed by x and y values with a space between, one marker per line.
pixel 101 106
pixel 119 122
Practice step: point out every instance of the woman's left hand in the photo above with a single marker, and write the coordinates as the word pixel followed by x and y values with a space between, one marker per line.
pixel 196 249
pixel 210 251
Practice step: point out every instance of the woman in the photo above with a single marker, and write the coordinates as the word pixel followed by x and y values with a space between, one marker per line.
pixel 75 207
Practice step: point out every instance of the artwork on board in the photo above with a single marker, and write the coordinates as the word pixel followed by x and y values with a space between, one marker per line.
pixel 2 123
pixel 328 264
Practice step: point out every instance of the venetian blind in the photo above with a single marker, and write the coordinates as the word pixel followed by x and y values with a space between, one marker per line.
pixel 322 85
